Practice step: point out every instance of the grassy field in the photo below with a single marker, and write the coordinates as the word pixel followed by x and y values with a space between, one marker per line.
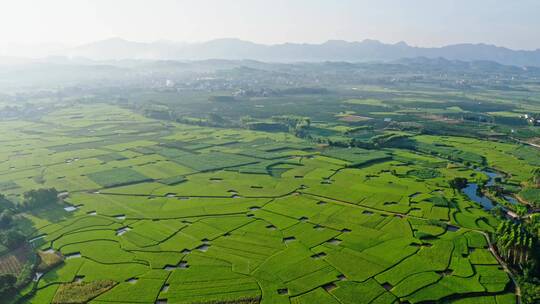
pixel 186 214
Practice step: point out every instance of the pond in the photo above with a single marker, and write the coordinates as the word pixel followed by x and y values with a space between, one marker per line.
pixel 472 192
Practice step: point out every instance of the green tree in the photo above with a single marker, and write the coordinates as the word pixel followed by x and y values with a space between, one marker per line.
pixel 6 218
pixel 5 203
pixel 521 210
pixel 530 291
pixel 7 285
pixel 536 177
pixel 458 183
pixel 12 238
pixel 39 197
pixel 514 242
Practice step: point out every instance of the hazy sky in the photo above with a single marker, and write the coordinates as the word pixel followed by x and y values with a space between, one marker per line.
pixel 515 24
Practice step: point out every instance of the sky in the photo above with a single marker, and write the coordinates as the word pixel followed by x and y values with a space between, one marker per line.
pixel 51 24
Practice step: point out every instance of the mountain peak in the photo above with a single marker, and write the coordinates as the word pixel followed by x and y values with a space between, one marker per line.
pixel 229 40
pixel 336 41
pixel 401 44
pixel 372 42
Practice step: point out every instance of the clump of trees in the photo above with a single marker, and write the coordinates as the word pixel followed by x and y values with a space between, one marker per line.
pixel 266 126
pixel 39 197
pixel 157 111
pixel 285 123
pixel 7 285
pixel 458 183
pixel 296 124
pixel 5 203
pixel 391 140
pixel 530 291
pixel 12 237
pixel 6 218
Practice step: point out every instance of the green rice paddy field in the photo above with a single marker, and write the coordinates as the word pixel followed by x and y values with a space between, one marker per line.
pixel 170 213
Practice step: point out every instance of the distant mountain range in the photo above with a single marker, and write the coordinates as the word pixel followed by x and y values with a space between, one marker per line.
pixel 333 50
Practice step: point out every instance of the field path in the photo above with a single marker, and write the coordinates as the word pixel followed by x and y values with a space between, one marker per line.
pixel 526 143
pixel 504 265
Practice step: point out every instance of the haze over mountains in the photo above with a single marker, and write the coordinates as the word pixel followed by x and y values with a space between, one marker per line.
pixel 333 50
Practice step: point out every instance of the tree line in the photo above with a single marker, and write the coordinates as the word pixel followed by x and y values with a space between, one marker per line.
pixel 12 237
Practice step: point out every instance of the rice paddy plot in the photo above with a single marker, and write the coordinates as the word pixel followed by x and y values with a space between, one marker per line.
pixel 189 214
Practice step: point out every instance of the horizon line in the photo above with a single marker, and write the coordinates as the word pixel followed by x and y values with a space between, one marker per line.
pixel 62 45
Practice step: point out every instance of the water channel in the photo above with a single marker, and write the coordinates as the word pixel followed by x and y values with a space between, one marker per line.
pixel 473 194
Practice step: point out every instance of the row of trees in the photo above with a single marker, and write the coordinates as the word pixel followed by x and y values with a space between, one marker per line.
pixel 514 242
pixel 518 244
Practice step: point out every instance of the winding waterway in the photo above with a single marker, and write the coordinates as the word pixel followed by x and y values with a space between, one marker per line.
pixel 472 192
